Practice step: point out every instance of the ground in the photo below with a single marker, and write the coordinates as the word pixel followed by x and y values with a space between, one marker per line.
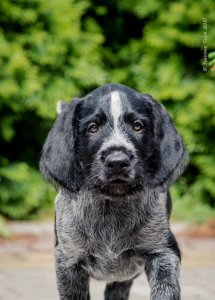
pixel 27 265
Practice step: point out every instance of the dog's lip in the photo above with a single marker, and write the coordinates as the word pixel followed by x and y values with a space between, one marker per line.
pixel 118 186
pixel 116 181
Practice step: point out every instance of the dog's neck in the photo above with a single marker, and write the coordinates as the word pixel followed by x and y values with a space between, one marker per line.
pixel 88 203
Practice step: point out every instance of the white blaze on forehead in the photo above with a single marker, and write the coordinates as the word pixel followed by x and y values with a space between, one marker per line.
pixel 117 138
pixel 115 107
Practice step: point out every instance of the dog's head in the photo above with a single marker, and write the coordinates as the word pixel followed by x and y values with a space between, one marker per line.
pixel 114 141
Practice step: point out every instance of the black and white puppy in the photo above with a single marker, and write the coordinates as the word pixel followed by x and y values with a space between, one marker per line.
pixel 113 155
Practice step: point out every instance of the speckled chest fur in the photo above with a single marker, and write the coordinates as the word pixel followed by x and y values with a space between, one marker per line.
pixel 111 238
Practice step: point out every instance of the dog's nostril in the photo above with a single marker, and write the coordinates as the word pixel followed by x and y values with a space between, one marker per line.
pixel 124 165
pixel 110 165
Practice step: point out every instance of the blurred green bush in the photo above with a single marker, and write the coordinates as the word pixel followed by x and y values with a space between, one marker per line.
pixel 54 50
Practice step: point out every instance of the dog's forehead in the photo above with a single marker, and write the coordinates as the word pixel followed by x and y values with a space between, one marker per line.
pixel 112 99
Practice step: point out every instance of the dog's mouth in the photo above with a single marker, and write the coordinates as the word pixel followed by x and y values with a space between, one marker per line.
pixel 118 181
pixel 117 186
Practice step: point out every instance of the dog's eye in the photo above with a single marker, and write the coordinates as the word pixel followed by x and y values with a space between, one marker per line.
pixel 93 128
pixel 137 126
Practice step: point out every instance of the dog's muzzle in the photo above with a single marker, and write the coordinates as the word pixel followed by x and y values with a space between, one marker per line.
pixel 117 169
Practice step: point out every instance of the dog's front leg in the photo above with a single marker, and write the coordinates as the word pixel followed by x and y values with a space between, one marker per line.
pixel 162 271
pixel 72 279
pixel 118 290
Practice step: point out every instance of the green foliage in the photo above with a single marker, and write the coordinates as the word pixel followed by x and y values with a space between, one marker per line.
pixel 212 59
pixel 54 50
pixel 45 54
pixel 22 192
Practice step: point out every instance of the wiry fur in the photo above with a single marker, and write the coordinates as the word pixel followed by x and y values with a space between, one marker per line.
pixel 113 223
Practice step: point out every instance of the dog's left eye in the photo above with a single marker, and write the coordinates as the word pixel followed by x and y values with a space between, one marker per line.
pixel 93 128
pixel 138 126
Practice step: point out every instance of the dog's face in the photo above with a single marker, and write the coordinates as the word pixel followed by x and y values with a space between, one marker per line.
pixel 114 141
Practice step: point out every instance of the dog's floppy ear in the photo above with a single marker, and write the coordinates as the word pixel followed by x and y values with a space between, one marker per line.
pixel 58 162
pixel 170 155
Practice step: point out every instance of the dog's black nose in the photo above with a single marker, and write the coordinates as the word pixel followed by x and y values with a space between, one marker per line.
pixel 117 162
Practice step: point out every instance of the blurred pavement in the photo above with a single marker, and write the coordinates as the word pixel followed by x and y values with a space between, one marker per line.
pixel 27 266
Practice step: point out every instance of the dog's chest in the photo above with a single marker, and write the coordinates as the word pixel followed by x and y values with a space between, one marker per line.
pixel 110 254
pixel 105 241
pixel 104 245
pixel 110 266
pixel 107 244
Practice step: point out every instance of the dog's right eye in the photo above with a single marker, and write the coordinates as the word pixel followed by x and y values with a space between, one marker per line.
pixel 137 126
pixel 93 128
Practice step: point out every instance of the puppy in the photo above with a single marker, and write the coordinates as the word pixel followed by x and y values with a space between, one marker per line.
pixel 113 155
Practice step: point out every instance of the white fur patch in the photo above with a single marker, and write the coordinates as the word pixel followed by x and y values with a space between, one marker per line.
pixel 59 106
pixel 115 107
pixel 117 138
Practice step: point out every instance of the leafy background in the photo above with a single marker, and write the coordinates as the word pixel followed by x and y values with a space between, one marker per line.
pixel 53 50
